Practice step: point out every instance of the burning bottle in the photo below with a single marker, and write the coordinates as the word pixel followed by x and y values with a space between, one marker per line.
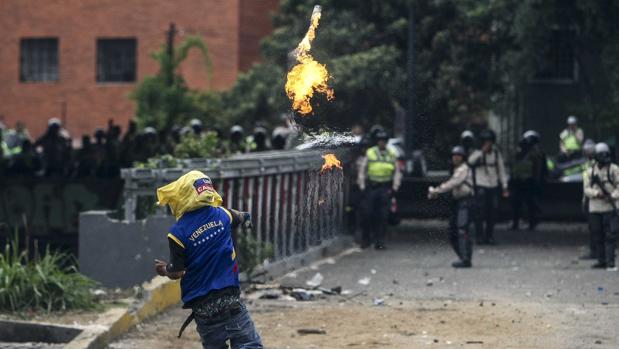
pixel 308 75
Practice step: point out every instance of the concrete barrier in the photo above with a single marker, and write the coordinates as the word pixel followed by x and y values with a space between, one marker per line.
pixel 295 208
pixel 119 253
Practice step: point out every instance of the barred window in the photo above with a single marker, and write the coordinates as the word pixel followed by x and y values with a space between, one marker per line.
pixel 559 61
pixel 116 60
pixel 38 60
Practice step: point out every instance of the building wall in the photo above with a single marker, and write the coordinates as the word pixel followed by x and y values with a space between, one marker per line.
pixel 255 18
pixel 76 97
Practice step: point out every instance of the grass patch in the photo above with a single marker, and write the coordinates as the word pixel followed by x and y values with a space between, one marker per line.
pixel 48 283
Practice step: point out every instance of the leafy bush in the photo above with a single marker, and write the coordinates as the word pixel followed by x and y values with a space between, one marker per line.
pixel 251 252
pixel 163 161
pixel 192 146
pixel 48 283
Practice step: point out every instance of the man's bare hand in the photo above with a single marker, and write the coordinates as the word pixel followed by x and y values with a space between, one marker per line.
pixel 160 267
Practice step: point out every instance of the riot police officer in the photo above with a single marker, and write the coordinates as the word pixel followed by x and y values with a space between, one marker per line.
pixel 526 182
pixel 491 180
pixel 237 142
pixel 467 140
pixel 602 189
pixel 571 140
pixel 379 178
pixel 588 150
pixel 460 186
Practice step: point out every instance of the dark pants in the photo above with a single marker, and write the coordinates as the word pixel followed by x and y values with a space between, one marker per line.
pixel 604 227
pixel 486 205
pixel 526 193
pixel 459 229
pixel 592 237
pixel 239 330
pixel 376 205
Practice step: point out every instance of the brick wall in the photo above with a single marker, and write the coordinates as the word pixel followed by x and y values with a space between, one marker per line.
pixel 78 23
pixel 255 19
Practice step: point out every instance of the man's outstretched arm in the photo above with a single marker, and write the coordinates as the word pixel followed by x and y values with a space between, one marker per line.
pixel 176 268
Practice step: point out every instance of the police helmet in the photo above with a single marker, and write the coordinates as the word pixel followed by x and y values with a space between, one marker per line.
pixel 236 129
pixel 602 153
pixel 572 120
pixel 467 135
pixel 487 135
pixel 531 137
pixel 458 150
pixel 54 122
pixel 381 135
pixel 259 130
pixel 195 123
pixel 150 131
pixel 376 129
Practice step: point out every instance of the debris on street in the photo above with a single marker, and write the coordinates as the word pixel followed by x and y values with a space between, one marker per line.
pixel 306 331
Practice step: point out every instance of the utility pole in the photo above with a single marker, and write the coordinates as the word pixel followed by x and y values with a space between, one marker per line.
pixel 170 51
pixel 410 139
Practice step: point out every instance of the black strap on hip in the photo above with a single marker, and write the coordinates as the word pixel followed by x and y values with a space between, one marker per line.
pixel 188 320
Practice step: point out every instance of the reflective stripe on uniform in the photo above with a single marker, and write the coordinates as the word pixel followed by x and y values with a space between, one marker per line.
pixel 570 142
pixel 381 165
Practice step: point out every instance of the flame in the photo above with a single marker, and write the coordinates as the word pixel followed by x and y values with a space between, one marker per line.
pixel 308 76
pixel 330 162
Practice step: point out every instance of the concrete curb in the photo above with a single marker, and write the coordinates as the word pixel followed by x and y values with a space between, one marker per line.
pixel 158 295
pixel 161 293
pixel 327 248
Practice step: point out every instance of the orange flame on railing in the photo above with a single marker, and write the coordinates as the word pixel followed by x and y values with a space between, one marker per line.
pixel 308 75
pixel 330 162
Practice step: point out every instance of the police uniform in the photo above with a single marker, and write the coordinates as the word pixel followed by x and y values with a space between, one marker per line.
pixel 602 213
pixel 201 245
pixel 378 176
pixel 586 180
pixel 490 178
pixel 571 141
pixel 528 172
pixel 460 185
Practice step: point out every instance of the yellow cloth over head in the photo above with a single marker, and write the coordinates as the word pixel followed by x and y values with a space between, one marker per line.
pixel 190 192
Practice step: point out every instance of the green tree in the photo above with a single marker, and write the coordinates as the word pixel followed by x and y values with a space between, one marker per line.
pixel 364 45
pixel 362 48
pixel 472 57
pixel 591 26
pixel 164 99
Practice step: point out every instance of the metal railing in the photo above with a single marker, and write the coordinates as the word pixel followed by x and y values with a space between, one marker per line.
pixel 294 206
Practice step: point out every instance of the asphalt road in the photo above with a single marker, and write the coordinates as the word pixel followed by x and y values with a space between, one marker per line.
pixel 544 296
pixel 525 266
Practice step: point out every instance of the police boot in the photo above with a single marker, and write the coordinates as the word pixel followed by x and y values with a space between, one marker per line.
pixel 610 257
pixel 599 265
pixel 461 264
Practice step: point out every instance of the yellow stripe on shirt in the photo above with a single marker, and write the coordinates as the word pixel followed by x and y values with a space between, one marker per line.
pixel 176 240
pixel 228 213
